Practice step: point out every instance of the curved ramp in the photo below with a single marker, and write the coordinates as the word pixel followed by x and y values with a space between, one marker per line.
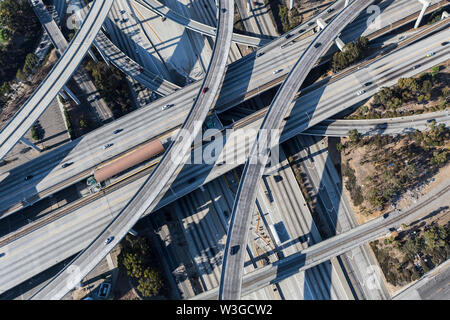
pixel 233 263
pixel 159 181
pixel 22 121
pixel 160 9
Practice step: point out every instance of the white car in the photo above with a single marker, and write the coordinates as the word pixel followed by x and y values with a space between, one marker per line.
pixel 360 92
pixel 167 106
pixel 277 71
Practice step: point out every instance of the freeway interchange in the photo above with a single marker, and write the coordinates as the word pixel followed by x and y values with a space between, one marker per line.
pixel 146 195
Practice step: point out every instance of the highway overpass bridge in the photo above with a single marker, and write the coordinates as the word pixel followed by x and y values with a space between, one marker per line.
pixel 45 242
pixel 239 227
pixel 147 123
pixel 159 180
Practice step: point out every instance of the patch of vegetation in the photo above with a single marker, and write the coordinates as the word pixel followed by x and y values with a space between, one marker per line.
pixel 69 125
pixel 22 27
pixel 113 87
pixel 390 102
pixel 135 260
pixel 396 169
pixel 37 132
pixel 353 52
pixel 285 19
pixel 417 253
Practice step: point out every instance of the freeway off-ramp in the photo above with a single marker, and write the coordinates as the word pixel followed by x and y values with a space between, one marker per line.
pixel 233 262
pixel 159 181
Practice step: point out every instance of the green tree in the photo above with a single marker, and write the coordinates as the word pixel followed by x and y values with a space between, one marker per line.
pixel 150 283
pixel 20 75
pixel 439 157
pixel 354 136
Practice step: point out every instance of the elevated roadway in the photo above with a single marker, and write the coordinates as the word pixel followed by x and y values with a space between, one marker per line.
pixel 80 75
pixel 127 65
pixel 22 121
pixel 86 152
pixel 164 11
pixel 233 262
pixel 57 236
pixel 339 244
pixel 158 182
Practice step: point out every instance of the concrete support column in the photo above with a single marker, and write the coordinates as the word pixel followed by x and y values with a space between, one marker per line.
pixel 101 52
pixel 346 3
pixel 291 4
pixel 27 142
pixel 93 56
pixel 340 44
pixel 63 95
pixel 72 95
pixel 422 12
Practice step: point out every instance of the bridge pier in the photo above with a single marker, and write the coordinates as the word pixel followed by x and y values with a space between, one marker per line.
pixel 422 12
pixel 346 3
pixel 101 52
pixel 339 43
pixel 291 4
pixel 93 56
pixel 444 15
pixel 71 95
pixel 27 142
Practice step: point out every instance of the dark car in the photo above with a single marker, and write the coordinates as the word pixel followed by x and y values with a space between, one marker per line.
pixel 310 23
pixel 28 177
pixel 301 30
pixel 416 66
pixel 107 241
pixel 117 131
pixel 444 43
pixel 330 10
pixel 234 249
pixel 385 215
pixel 204 89
pixel 260 54
pixel 368 83
pixel 288 36
pixel 316 45
pixel 224 10
pixel 65 165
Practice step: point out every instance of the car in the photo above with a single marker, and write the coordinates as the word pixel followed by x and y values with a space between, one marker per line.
pixel 288 36
pixel 141 70
pixel 444 43
pixel 430 54
pixel 123 11
pixel 385 215
pixel 316 45
pixel 104 289
pixel 259 54
pixel 277 71
pixel 310 23
pixel 330 10
pixel 301 30
pixel 124 20
pixel 107 241
pixel 360 92
pixel 42 45
pixel 2 254
pixel 204 90
pixel 167 106
pixel 234 249
pixel 368 83
pixel 65 165
pixel 224 10
pixel 28 177
pixel 106 146
pixel 416 66
pixel 127 59
pixel 117 131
